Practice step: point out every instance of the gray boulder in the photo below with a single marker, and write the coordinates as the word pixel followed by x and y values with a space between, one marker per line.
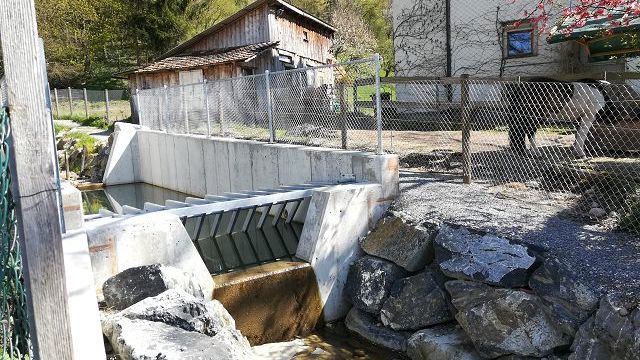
pixel 179 309
pixel 415 303
pixel 407 245
pixel 567 298
pixel 138 283
pixel 369 282
pixel 366 326
pixel 444 342
pixel 145 340
pixel 612 333
pixel 464 255
pixel 504 321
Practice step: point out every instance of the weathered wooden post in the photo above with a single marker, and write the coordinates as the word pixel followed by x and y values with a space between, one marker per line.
pixel 106 103
pixel 70 101
pixel 465 105
pixel 343 114
pixel 86 103
pixel 34 184
pixel 55 93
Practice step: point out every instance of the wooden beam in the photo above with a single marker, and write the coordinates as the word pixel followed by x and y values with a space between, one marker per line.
pixel 34 183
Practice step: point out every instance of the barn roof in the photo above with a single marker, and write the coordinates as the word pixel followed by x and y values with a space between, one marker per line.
pixel 254 5
pixel 208 58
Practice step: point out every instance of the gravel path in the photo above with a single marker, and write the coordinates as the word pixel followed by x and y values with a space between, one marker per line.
pixel 607 260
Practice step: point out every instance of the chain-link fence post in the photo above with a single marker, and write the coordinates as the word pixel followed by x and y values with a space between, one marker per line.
pixel 160 122
pixel 343 115
pixel 166 105
pixel 139 106
pixel 465 105
pixel 185 108
pixel 206 106
pixel 272 133
pixel 70 101
pixel 106 103
pixel 220 110
pixel 377 59
pixel 86 103
pixel 55 94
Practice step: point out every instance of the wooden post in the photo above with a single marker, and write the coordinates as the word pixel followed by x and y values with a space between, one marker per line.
pixel 55 93
pixel 106 103
pixel 70 101
pixel 465 105
pixel 343 115
pixel 34 184
pixel 86 103
pixel 355 97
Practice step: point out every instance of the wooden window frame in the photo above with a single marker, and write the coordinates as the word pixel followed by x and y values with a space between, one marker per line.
pixel 525 26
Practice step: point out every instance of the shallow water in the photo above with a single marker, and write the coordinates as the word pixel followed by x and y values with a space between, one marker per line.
pixel 114 197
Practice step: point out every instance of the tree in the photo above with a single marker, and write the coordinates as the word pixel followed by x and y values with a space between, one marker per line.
pixel 354 38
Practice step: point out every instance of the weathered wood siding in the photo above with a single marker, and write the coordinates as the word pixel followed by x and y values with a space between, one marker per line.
pixel 290 29
pixel 249 29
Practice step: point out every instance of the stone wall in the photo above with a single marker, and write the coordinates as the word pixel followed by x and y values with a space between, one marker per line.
pixel 437 291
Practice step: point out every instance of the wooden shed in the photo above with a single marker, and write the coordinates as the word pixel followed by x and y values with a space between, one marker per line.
pixel 266 35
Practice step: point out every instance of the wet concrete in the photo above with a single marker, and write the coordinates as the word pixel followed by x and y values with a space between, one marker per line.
pixel 273 302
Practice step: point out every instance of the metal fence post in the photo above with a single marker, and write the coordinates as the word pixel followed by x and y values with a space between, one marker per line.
pixel 106 103
pixel 206 106
pixel 55 94
pixel 220 109
pixel 86 103
pixel 377 59
pixel 465 104
pixel 343 115
pixel 139 106
pixel 157 95
pixel 166 104
pixel 272 133
pixel 186 110
pixel 70 101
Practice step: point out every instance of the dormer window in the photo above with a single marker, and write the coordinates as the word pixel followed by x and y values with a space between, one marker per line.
pixel 305 36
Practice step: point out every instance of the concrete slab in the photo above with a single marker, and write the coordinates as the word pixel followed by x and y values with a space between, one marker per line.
pixel 209 165
pixel 264 166
pixel 156 158
pixel 381 169
pixel 320 167
pixel 181 153
pixel 240 165
pixel 196 167
pixel 329 239
pixel 71 207
pixel 294 165
pixel 222 166
pixel 86 333
pixel 120 166
pixel 145 160
pixel 154 238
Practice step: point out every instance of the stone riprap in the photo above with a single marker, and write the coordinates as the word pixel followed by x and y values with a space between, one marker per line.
pixel 138 283
pixel 415 303
pixel 369 282
pixel 175 325
pixel 505 321
pixel 367 326
pixel 566 297
pixel 612 333
pixel 443 342
pixel 398 240
pixel 462 254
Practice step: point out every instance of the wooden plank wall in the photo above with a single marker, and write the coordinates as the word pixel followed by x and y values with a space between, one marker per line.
pixel 290 32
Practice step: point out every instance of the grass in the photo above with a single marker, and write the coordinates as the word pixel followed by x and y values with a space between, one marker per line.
pixel 93 121
pixel 82 140
pixel 59 128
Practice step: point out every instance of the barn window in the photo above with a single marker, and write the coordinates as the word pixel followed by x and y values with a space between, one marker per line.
pixel 305 36
pixel 520 40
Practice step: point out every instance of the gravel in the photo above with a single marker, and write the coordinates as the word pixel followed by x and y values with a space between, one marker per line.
pixel 606 260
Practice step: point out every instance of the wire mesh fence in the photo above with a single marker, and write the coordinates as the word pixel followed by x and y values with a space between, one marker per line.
pixel 111 105
pixel 14 335
pixel 310 106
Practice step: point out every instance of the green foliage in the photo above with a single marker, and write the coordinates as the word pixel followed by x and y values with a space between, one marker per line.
pixel 83 140
pixel 94 121
pixel 59 128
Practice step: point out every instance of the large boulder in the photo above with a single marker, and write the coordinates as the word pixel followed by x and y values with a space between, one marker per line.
pixel 443 342
pixel 369 282
pixel 464 255
pixel 144 340
pixel 407 245
pixel 505 321
pixel 415 303
pixel 138 283
pixel 169 322
pixel 612 333
pixel 567 298
pixel 365 325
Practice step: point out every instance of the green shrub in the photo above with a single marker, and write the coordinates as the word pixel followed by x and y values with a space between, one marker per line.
pixel 82 140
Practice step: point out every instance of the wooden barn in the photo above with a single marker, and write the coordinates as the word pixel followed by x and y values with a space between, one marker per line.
pixel 266 35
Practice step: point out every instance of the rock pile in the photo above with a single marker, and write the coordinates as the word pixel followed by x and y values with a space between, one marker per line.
pixel 446 292
pixel 163 321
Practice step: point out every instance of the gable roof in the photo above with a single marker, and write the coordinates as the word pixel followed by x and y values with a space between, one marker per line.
pixel 254 5
pixel 208 58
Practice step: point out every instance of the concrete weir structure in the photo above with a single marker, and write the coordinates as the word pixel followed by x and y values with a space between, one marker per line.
pixel 338 215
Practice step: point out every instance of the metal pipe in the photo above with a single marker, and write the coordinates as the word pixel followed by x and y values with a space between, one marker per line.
pixel 377 59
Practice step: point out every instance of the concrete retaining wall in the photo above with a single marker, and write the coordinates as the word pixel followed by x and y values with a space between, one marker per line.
pixel 198 165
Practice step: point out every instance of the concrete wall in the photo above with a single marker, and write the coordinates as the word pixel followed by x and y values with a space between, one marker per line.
pixel 198 165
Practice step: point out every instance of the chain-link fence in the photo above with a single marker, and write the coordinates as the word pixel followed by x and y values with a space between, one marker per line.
pixel 311 106
pixel 111 105
pixel 14 340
